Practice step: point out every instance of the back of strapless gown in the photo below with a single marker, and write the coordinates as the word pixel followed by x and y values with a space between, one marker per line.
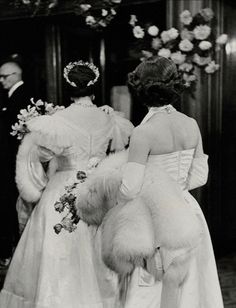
pixel 201 288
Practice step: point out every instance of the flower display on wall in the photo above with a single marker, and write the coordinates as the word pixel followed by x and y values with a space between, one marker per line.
pixel 97 14
pixel 194 45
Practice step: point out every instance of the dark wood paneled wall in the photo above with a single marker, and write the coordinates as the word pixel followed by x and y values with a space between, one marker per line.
pixel 206 108
pixel 229 126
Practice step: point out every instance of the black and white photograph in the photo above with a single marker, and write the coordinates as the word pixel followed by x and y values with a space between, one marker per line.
pixel 118 154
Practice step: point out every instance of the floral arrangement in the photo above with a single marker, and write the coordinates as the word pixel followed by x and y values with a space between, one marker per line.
pixel 192 46
pixel 67 202
pixel 19 129
pixel 36 5
pixel 97 14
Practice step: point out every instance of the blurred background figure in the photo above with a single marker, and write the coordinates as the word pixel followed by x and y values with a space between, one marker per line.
pixel 14 98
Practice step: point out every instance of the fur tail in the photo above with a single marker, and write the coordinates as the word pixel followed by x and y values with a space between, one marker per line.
pixel 97 195
pixel 127 237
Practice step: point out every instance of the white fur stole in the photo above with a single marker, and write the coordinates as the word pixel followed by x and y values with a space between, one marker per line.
pixel 158 217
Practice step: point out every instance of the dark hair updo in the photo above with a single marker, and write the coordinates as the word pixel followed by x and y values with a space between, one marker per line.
pixel 156 82
pixel 81 79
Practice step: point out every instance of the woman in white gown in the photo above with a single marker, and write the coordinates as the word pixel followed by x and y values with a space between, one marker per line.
pixel 50 270
pixel 169 141
pixel 156 218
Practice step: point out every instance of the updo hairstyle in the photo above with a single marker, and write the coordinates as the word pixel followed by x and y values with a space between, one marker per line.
pixel 81 78
pixel 156 82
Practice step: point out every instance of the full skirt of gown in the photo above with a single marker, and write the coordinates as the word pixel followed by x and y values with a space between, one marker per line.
pixel 57 270
pixel 201 288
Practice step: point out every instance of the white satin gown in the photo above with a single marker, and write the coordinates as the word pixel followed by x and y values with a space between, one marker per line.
pixel 201 288
pixel 65 270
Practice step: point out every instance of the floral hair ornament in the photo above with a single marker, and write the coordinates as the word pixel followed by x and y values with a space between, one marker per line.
pixel 71 65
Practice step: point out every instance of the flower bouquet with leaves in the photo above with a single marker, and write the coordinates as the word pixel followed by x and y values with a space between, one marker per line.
pixel 67 202
pixel 194 45
pixel 97 14
pixel 38 108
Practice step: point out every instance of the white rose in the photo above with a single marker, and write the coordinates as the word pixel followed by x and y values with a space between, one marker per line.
pixel 201 61
pixel 201 32
pixel 164 52
pixel 186 34
pixel 133 20
pixel 222 39
pixel 212 67
pixel 116 1
pixel 165 36
pixel 113 12
pixel 104 12
pixel 153 30
pixel 186 17
pixel 207 14
pixel 169 35
pixel 205 45
pixel 173 33
pixel 186 67
pixel 178 57
pixel 90 20
pixel 138 32
pixel 185 45
pixel 85 7
pixel 156 43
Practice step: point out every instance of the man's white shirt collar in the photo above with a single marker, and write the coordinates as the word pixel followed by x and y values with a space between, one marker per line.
pixel 13 88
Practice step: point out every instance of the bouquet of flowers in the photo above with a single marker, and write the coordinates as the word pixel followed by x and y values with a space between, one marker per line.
pixel 97 14
pixel 38 108
pixel 67 202
pixel 36 5
pixel 193 45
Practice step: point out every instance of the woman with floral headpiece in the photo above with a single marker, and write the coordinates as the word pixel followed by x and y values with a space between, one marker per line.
pixel 51 270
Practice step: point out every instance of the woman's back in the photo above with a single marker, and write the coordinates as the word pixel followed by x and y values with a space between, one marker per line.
pixel 90 119
pixel 170 131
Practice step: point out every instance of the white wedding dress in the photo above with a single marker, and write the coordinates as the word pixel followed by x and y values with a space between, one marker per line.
pixel 65 270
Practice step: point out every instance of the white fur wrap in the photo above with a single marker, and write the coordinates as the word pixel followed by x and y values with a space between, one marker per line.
pixel 158 217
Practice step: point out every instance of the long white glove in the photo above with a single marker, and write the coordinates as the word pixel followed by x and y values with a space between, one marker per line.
pixel 132 181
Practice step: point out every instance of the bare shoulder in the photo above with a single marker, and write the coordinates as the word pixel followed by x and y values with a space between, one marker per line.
pixel 191 122
pixel 141 134
pixel 141 130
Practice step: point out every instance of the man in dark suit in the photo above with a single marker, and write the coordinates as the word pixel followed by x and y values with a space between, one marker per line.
pixel 17 97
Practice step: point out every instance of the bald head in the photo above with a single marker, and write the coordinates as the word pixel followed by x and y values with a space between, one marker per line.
pixel 10 74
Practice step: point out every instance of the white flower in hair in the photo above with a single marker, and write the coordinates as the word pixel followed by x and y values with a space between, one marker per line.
pixel 71 65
